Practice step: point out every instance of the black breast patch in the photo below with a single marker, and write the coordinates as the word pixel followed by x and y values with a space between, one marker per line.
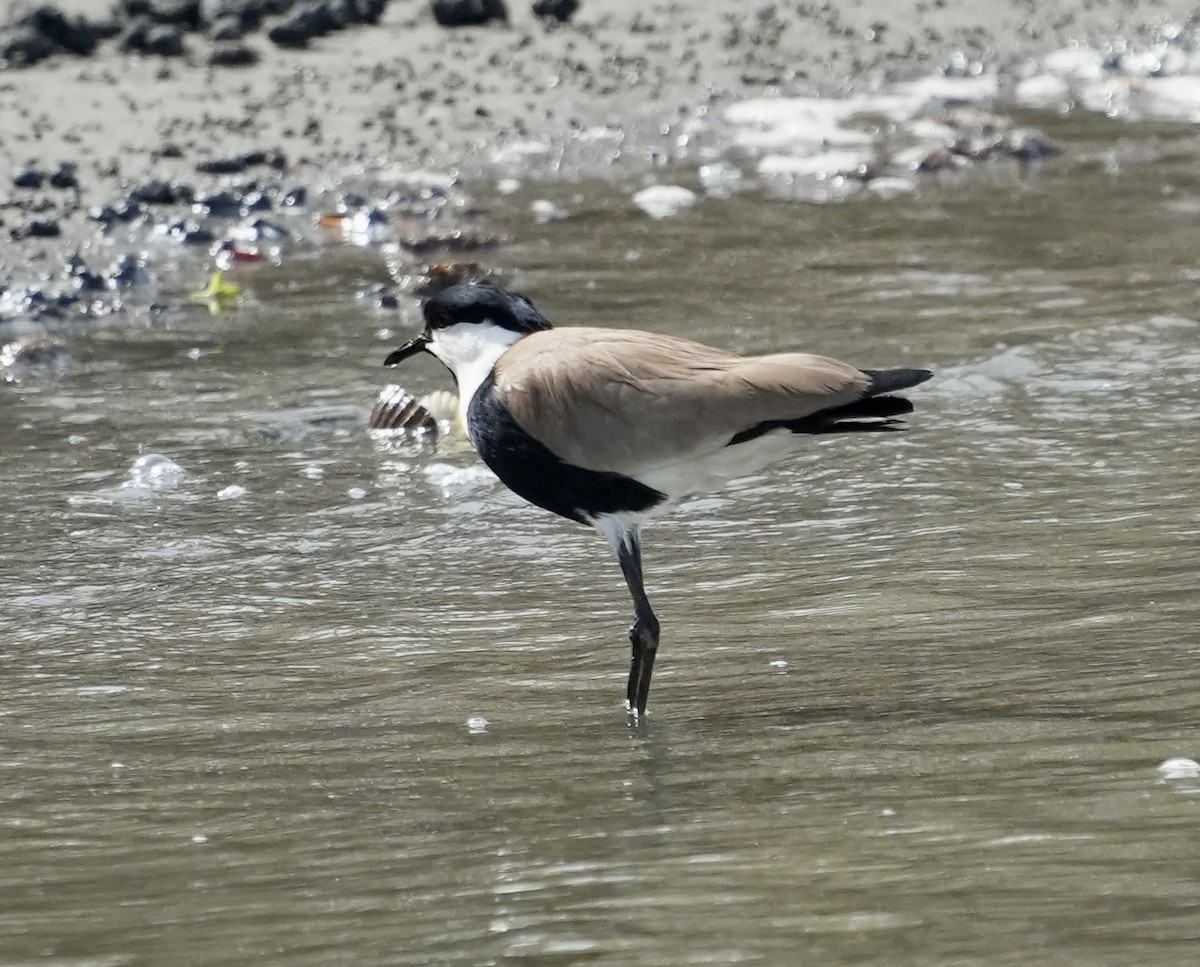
pixel 532 471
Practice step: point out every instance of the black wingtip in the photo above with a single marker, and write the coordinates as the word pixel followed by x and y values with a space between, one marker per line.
pixel 890 380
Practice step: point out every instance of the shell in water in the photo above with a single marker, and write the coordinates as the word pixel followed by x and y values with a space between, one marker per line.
pixel 397 409
pixel 442 406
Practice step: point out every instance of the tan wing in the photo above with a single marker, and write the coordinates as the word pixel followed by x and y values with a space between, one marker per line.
pixel 628 401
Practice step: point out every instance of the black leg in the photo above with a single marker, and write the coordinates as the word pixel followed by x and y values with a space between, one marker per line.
pixel 643 636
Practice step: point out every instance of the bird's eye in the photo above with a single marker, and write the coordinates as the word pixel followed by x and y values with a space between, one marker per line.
pixel 439 319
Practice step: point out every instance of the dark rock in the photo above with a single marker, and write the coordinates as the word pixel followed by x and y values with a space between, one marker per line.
pixel 223 166
pixel 380 297
pixel 468 13
pixel 369 11
pixel 236 164
pixel 147 37
pixel 330 15
pixel 64 176
pixel 249 12
pixel 158 192
pixel 38 228
pixel 227 28
pixel 28 178
pixel 165 40
pixel 257 201
pixel 109 215
pixel 221 204
pixel 191 232
pixel 296 197
pixel 291 33
pixel 263 229
pixel 26 47
pixel 1028 146
pixel 560 10
pixel 37 303
pixel 71 34
pixel 170 151
pixel 84 278
pixel 233 55
pixel 184 13
pixel 129 272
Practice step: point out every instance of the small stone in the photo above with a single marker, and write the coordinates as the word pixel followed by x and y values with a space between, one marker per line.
pixel 294 33
pixel 248 12
pixel 156 192
pixel 25 47
pixel 38 228
pixel 468 13
pixel 560 10
pixel 257 201
pixel 129 272
pixel 64 176
pixel 222 204
pixel 227 28
pixel 185 13
pixel 190 232
pixel 28 178
pixel 234 55
pixel 164 40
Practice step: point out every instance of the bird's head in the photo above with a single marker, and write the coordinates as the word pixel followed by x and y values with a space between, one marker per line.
pixel 467 326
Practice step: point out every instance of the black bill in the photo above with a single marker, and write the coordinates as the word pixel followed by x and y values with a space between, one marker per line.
pixel 410 348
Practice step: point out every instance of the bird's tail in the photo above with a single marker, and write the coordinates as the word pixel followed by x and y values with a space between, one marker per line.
pixel 875 412
pixel 890 380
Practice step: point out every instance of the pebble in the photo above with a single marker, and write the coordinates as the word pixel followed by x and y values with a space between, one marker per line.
pixel 159 192
pixel 222 204
pixel 28 178
pixel 64 176
pixel 227 28
pixel 560 10
pixel 468 13
pixel 233 55
pixel 38 228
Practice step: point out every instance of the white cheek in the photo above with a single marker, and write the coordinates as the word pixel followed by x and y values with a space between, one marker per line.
pixel 470 351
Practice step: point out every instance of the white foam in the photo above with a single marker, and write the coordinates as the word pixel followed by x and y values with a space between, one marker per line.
pixel 155 471
pixel 1179 768
pixel 544 210
pixel 1161 81
pixel 1043 90
pixel 807 142
pixel 663 201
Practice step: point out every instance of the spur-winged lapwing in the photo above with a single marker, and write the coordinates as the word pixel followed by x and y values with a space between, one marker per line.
pixel 610 427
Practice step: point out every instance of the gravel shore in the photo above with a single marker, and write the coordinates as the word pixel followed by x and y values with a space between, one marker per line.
pixel 619 89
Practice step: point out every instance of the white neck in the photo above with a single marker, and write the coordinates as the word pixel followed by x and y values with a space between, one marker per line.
pixel 470 350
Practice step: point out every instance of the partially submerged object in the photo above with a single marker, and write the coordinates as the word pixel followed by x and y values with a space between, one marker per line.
pixel 398 411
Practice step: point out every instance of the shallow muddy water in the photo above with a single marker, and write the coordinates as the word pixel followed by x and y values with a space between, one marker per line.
pixel 913 692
